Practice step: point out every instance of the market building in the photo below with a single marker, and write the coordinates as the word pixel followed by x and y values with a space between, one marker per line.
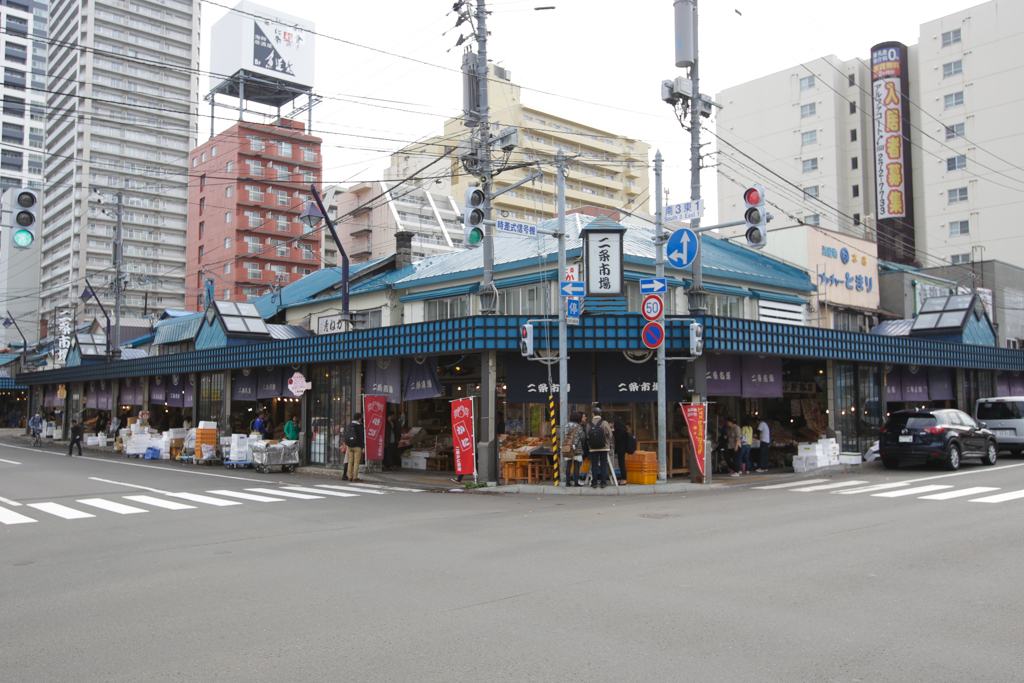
pixel 418 339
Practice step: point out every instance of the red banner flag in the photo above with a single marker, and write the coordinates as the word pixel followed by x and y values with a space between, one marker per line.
pixel 463 436
pixel 696 423
pixel 374 411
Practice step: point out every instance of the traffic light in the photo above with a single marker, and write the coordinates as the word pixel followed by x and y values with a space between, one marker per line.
pixel 755 217
pixel 526 340
pixel 473 217
pixel 24 218
pixel 696 339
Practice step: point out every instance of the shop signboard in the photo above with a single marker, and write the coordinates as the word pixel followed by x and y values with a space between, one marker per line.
pixel 463 436
pixel 724 375
pixel 64 337
pixel 940 384
pixel 915 383
pixel 243 385
pixel 762 377
pixel 62 392
pixel 298 385
pixel 268 383
pixel 189 395
pixel 603 259
pixel 157 390
pixel 1003 384
pixel 632 377
pixel 696 416
pixel 893 384
pixel 131 391
pixel 374 414
pixel 383 377
pixel 104 394
pixel 420 378
pixel 92 395
pixel 176 391
pixel 527 381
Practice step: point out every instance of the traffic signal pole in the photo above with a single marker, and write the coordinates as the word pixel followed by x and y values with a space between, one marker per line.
pixel 563 332
pixel 484 153
pixel 659 271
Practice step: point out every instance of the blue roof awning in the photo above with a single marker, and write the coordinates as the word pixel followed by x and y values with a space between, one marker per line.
pixel 441 293
pixel 775 296
pixel 725 289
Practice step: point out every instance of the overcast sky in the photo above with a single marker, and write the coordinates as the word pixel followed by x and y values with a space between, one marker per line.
pixel 601 61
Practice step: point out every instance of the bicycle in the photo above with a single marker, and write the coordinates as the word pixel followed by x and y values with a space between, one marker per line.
pixel 37 440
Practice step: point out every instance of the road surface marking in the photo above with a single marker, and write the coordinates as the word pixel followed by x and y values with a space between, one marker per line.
pixel 912 492
pixel 389 488
pixel 9 502
pixel 197 498
pixel 10 462
pixel 339 494
pixel 111 506
pixel 247 496
pixel 834 485
pixel 960 493
pixel 161 503
pixel 349 488
pixel 872 489
pixel 999 497
pixel 286 494
pixel 805 482
pixel 59 510
pixel 12 517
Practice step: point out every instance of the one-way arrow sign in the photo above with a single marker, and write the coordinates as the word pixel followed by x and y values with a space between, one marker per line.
pixel 656 285
pixel 573 288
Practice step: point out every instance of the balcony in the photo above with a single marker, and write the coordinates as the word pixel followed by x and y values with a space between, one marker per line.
pixel 360 231
pixel 255 247
pixel 254 275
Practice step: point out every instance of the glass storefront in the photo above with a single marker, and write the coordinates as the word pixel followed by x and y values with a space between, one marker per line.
pixel 211 397
pixel 857 404
pixel 330 412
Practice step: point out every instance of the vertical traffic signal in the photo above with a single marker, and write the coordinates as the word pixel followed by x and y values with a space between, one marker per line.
pixel 526 339
pixel 24 218
pixel 755 217
pixel 473 217
pixel 696 339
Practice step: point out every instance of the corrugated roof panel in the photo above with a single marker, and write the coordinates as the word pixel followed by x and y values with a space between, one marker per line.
pixel 180 329
pixel 307 287
pixel 288 332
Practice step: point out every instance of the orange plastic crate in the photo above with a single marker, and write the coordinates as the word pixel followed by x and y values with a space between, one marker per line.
pixel 633 477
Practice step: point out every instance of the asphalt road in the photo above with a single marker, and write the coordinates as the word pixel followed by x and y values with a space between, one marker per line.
pixel 736 584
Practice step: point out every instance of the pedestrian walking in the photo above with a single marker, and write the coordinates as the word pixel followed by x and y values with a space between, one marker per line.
pixel 572 450
pixel 600 440
pixel 260 424
pixel 733 437
pixel 621 433
pixel 354 443
pixel 77 433
pixel 391 439
pixel 765 437
pixel 291 429
pixel 746 442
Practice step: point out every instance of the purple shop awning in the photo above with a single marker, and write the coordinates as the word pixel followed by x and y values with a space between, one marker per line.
pixel 190 391
pixel 131 391
pixel 420 379
pixel 269 383
pixel 384 378
pixel 631 378
pixel 894 385
pixel 915 383
pixel 157 389
pixel 762 377
pixel 243 384
pixel 724 372
pixel 940 384
pixel 175 391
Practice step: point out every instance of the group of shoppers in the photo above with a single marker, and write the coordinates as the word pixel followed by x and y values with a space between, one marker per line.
pixel 740 442
pixel 597 440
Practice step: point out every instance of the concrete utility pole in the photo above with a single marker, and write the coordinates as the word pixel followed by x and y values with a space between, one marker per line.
pixel 659 271
pixel 118 253
pixel 484 151
pixel 563 332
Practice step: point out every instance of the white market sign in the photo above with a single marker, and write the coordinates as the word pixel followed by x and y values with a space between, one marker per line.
pixel 604 263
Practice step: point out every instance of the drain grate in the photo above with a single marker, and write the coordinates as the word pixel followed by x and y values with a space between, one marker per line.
pixel 659 516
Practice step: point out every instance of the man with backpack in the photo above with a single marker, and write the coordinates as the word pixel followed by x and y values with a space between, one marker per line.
pixel 77 434
pixel 572 450
pixel 599 438
pixel 354 443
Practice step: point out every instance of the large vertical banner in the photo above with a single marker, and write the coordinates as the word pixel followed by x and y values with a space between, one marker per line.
pixel 894 196
pixel 374 414
pixel 463 436
pixel 696 424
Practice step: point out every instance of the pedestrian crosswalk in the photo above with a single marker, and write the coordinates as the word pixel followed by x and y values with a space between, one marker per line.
pixel 905 489
pixel 175 501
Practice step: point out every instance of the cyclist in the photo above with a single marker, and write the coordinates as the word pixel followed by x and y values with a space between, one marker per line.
pixel 36 426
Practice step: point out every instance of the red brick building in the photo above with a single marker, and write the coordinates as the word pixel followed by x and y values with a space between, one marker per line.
pixel 247 187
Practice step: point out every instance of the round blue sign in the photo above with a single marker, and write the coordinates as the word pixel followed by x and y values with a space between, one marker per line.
pixel 682 247
pixel 844 255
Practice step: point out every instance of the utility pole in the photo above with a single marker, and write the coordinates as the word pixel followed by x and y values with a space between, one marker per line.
pixel 563 332
pixel 118 253
pixel 484 154
pixel 659 271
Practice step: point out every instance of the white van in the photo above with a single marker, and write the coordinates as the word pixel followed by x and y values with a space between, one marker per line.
pixel 1005 417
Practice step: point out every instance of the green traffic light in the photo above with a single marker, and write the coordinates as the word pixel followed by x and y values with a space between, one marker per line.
pixel 476 235
pixel 23 238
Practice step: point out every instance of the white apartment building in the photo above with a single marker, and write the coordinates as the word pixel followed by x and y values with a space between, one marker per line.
pixel 21 149
pixel 121 115
pixel 811 126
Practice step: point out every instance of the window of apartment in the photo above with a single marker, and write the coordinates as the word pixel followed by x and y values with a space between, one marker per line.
pixel 955 99
pixel 813 219
pixel 282 197
pixel 255 143
pixel 957 163
pixel 255 220
pixel 282 223
pixel 853 107
pixel 254 244
pixel 227 268
pixel 252 270
pixel 202 181
pixel 227 295
pixel 856 190
pixel 958 228
pixel 950 37
pixel 811 191
pixel 309 177
pixel 807 82
pixel 955 131
pixel 229 166
pixel 202 228
pixel 954 68
pixel 284 149
pixel 250 292
pixel 227 217
pixel 852 79
pixel 808 110
pixel 308 154
pixel 725 305
pixel 854 163
pixel 443 309
pixel 957 195
pixel 227 242
pixel 228 191
pixel 202 205
pixel 201 250
pixel 856 219
pixel 281 248
pixel 960 259
pixel 213 151
pixel 853 135
pixel 810 165
pixel 255 168
pixel 202 157
pixel 255 193
pixel 809 138
pixel 195 161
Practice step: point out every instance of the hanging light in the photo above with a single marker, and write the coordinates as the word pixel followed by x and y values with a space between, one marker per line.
pixel 312 216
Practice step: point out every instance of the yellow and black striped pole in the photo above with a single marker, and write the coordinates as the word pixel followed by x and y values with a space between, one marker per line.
pixel 554 440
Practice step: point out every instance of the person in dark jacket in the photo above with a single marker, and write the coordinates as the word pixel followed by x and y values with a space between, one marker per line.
pixel 391 439
pixel 77 433
pixel 355 441
pixel 621 434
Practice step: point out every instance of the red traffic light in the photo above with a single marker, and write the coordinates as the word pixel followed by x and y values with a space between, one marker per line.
pixel 752 196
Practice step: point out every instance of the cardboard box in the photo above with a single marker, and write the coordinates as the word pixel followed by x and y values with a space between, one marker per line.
pixel 414 462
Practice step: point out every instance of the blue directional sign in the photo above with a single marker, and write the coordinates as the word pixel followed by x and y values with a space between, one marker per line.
pixel 572 311
pixel 656 285
pixel 682 248
pixel 573 288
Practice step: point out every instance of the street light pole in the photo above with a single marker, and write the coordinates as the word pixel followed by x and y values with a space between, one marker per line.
pixel 563 332
pixel 659 271
pixel 118 253
pixel 487 299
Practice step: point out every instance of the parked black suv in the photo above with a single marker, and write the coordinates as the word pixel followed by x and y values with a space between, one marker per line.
pixel 923 436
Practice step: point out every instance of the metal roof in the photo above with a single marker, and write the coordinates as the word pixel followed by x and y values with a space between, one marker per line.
pixel 174 313
pixel 177 329
pixel 894 328
pixel 288 332
pixel 307 287
pixel 131 354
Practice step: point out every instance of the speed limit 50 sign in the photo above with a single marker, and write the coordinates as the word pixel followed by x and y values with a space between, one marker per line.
pixel 653 308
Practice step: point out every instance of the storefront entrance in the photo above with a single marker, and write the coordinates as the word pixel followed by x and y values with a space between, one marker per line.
pixel 331 410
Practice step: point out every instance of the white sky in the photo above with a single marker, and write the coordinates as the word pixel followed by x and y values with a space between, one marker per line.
pixel 605 60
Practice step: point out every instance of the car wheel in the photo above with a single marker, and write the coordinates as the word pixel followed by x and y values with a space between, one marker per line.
pixel 991 454
pixel 952 457
pixel 890 463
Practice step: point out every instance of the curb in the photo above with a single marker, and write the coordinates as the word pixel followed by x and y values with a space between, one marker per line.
pixel 627 490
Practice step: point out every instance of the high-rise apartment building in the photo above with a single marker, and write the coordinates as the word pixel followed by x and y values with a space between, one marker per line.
pixel 121 114
pixel 21 150
pixel 248 186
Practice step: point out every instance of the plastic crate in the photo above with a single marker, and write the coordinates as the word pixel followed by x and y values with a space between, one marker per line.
pixel 634 477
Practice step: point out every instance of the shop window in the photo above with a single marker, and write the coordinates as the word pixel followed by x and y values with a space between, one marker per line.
pixel 443 309
pixel 725 305
pixel 528 300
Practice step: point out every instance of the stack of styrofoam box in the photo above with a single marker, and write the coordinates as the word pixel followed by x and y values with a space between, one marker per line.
pixel 239 451
pixel 830 448
pixel 810 456
pixel 138 443
pixel 92 441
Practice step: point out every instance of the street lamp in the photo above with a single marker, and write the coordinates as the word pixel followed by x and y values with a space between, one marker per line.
pixel 311 217
pixel 8 321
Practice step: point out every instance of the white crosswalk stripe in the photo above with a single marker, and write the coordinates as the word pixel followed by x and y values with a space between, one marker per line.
pixel 872 489
pixel 286 494
pixel 790 483
pixel 246 496
pixel 160 503
pixel 1000 497
pixel 960 493
pixel 389 488
pixel 347 488
pixel 12 517
pixel 197 498
pixel 303 489
pixel 912 492
pixel 111 506
pixel 60 510
pixel 825 487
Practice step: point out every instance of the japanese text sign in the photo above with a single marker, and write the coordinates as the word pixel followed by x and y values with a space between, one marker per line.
pixel 604 263
pixel 374 415
pixel 463 436
pixel 696 424
pixel 889 135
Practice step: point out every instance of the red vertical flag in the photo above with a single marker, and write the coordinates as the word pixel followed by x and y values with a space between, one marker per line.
pixel 463 436
pixel 696 423
pixel 374 409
